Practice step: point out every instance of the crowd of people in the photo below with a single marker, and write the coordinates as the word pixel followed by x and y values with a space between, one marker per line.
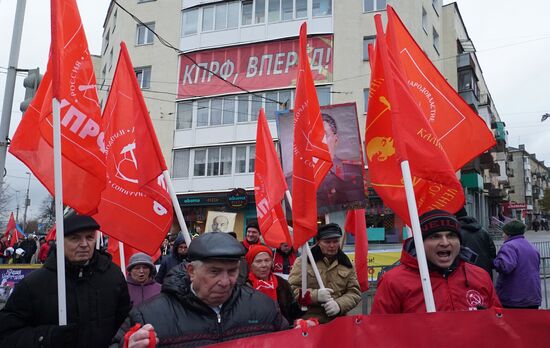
pixel 218 288
pixel 29 250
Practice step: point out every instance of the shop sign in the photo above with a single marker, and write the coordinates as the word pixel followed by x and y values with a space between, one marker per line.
pixel 237 199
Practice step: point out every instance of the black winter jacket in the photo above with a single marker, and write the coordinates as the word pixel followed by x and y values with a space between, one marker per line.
pixel 180 319
pixel 170 261
pixel 478 239
pixel 97 303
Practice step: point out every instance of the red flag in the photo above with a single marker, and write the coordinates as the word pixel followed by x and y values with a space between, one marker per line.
pixel 311 160
pixel 113 249
pixel 74 85
pixel 135 207
pixel 452 120
pixel 51 234
pixel 269 187
pixel 10 226
pixel 357 226
pixel 396 131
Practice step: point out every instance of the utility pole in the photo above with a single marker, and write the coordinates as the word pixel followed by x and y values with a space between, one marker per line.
pixel 17 201
pixel 10 82
pixel 27 203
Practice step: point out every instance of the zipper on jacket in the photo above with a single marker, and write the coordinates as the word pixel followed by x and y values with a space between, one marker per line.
pixel 219 318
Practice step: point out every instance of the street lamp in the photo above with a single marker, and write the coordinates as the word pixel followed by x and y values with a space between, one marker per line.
pixel 27 202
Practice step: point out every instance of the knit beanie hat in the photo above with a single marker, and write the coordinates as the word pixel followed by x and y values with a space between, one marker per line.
pixel 514 228
pixel 141 259
pixel 254 250
pixel 252 224
pixel 437 221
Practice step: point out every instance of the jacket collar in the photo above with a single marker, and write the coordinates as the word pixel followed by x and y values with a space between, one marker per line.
pixel 100 261
pixel 341 257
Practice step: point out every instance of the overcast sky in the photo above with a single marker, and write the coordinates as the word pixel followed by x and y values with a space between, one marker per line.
pixel 512 41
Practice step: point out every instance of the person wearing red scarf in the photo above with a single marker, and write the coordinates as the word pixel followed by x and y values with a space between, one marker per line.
pixel 261 277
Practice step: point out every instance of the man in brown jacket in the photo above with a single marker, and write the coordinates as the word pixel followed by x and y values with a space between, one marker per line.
pixel 337 272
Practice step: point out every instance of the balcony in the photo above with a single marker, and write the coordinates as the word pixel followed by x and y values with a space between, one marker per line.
pixel 497 193
pixel 465 60
pixel 486 160
pixel 495 169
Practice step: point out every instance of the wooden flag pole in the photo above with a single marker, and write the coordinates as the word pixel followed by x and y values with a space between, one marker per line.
pixel 177 207
pixel 58 183
pixel 417 236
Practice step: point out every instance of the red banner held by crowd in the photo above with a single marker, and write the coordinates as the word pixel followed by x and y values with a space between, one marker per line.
pixel 451 118
pixel 75 88
pixel 492 328
pixel 135 207
pixel 356 224
pixel 311 160
pixel 396 130
pixel 269 188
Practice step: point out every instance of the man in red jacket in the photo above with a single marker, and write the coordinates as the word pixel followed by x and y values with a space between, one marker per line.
pixel 456 285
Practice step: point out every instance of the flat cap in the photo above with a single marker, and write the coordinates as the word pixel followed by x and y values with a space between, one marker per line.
pixel 329 231
pixel 76 223
pixel 216 246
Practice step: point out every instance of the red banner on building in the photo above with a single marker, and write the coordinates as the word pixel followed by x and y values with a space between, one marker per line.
pixel 266 65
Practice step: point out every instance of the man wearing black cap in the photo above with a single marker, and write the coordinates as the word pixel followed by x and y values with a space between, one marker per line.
pixel 456 285
pixel 342 289
pixel 203 304
pixel 96 293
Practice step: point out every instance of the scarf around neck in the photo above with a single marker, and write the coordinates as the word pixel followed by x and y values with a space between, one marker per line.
pixel 267 287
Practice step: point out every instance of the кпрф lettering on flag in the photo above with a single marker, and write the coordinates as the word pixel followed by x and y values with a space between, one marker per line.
pixel 135 206
pixel 269 188
pixel 396 131
pixel 463 134
pixel 74 86
pixel 311 157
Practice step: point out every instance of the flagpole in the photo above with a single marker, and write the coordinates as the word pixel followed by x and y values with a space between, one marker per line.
pixel 417 237
pixel 60 249
pixel 177 207
pixel 121 255
pixel 97 240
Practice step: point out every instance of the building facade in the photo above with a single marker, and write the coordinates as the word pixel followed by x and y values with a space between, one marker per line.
pixel 207 127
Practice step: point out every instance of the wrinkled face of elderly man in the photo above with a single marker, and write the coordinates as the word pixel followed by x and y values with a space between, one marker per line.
pixel 213 280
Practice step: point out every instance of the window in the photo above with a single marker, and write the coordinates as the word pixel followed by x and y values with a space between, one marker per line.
pixel 208 18
pixel 436 4
pixel 106 42
pixel 226 160
pixel 436 40
pixel 228 110
pixel 256 106
pixel 233 14
pixel 221 17
pixel 246 12
pixel 274 11
pixel 259 11
pixel 251 158
pixel 143 76
pixel 374 5
pixel 242 111
pixel 111 54
pixel 202 112
pixel 200 163
pixel 114 19
pixel 323 94
pixel 287 10
pixel 184 116
pixel 219 160
pixel 180 167
pixel 270 105
pixel 144 35
pixel 366 41
pixel 467 81
pixel 190 21
pixel 301 8
pixel 216 108
pixel 322 7
pixel 240 159
pixel 424 20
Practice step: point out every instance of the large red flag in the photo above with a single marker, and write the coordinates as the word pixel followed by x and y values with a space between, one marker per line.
pixel 357 226
pixel 452 120
pixel 135 207
pixel 10 226
pixel 311 157
pixel 51 234
pixel 74 85
pixel 269 187
pixel 396 131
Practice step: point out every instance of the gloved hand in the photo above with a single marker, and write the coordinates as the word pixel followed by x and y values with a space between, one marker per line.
pixel 323 295
pixel 64 336
pixel 305 300
pixel 331 308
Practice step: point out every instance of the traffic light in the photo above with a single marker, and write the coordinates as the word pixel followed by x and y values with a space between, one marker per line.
pixel 30 83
